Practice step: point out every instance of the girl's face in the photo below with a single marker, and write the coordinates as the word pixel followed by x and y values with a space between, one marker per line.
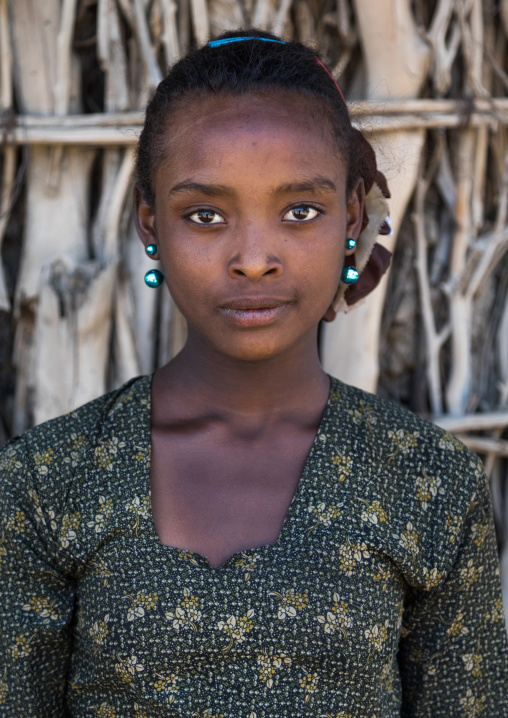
pixel 250 221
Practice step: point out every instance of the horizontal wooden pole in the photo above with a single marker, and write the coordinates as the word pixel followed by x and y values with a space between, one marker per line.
pixel 484 445
pixel 123 128
pixel 473 422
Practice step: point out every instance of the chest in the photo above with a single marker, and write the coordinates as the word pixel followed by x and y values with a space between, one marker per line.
pixel 218 495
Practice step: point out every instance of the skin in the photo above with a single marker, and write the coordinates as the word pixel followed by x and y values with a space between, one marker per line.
pixel 250 221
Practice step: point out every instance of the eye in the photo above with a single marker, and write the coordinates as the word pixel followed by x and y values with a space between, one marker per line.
pixel 206 216
pixel 304 213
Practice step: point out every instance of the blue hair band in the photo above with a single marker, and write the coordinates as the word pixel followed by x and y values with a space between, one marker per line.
pixel 225 41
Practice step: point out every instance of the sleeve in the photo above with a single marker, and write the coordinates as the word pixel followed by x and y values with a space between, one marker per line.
pixel 453 656
pixel 37 599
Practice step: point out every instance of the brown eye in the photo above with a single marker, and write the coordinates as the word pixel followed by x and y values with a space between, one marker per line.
pixel 301 214
pixel 206 216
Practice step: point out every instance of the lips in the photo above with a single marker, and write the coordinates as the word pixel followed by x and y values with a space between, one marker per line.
pixel 254 311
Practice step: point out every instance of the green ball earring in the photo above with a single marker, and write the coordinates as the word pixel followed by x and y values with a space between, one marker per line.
pixel 349 275
pixel 154 278
pixel 151 250
pixel 350 243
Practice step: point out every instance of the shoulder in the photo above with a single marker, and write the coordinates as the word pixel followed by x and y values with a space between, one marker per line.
pixel 426 481
pixel 47 457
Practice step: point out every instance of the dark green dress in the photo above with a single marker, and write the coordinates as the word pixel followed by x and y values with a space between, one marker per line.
pixel 380 598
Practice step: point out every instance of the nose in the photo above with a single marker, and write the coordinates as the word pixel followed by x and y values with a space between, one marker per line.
pixel 254 257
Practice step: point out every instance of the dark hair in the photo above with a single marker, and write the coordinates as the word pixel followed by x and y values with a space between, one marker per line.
pixel 239 68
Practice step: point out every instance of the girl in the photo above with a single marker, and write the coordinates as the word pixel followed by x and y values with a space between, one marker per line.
pixel 241 535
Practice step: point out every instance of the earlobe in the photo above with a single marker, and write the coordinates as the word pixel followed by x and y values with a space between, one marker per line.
pixel 144 219
pixel 330 314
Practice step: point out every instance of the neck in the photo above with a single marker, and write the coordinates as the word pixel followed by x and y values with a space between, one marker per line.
pixel 274 386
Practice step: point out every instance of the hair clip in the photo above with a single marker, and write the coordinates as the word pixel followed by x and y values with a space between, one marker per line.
pixel 225 41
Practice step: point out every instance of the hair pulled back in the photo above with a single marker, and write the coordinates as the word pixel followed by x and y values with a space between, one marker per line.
pixel 245 67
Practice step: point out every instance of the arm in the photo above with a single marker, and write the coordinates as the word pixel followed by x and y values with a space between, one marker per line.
pixel 454 656
pixel 36 598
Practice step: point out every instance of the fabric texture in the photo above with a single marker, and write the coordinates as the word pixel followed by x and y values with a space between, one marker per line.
pixel 380 598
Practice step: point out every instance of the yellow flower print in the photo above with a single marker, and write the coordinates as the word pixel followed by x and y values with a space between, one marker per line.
pixel 403 442
pixel 187 615
pixel 457 627
pixel 104 511
pixel 309 683
pixel 70 524
pixel 21 647
pixel 247 563
pixel 187 556
pixel 142 455
pixel 344 465
pixel 428 488
pixel 377 636
pixel 290 602
pixel 432 577
pixel 323 515
pixel 471 705
pixel 480 532
pixel 3 550
pixel 236 627
pixel 363 414
pixel 140 508
pixel 168 684
pixel 342 714
pixel 450 443
pixel 350 555
pixel 128 668
pixel 139 603
pixel 9 461
pixel 373 513
pixel 99 630
pixel 383 574
pixel 269 664
pixel 337 617
pixel 100 567
pixel 43 461
pixel 18 522
pixel 139 712
pixel 473 662
pixel 409 539
pixel 454 525
pixel 208 713
pixel 4 688
pixel 107 451
pixel 497 614
pixel 105 711
pixel 78 444
pixel 44 608
pixel 470 574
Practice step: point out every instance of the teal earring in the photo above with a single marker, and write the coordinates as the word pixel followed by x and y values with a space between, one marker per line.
pixel 349 275
pixel 154 278
pixel 350 243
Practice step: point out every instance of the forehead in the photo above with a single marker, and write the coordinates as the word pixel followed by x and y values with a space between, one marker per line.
pixel 289 127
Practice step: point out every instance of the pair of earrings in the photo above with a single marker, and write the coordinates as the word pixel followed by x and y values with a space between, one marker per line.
pixel 349 275
pixel 154 278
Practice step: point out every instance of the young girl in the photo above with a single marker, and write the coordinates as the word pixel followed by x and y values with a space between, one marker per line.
pixel 241 535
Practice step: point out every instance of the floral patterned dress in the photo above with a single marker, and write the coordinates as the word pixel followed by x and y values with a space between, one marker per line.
pixel 380 598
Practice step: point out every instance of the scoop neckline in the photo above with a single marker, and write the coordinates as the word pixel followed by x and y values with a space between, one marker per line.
pixel 285 531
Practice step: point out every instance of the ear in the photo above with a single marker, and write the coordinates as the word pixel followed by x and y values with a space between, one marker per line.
pixel 330 314
pixel 355 205
pixel 144 218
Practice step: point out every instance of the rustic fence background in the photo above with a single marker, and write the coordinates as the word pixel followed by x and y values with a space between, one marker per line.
pixel 426 79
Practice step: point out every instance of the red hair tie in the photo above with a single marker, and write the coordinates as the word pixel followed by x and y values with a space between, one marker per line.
pixel 316 58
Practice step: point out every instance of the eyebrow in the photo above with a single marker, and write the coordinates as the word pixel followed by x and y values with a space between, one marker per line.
pixel 210 190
